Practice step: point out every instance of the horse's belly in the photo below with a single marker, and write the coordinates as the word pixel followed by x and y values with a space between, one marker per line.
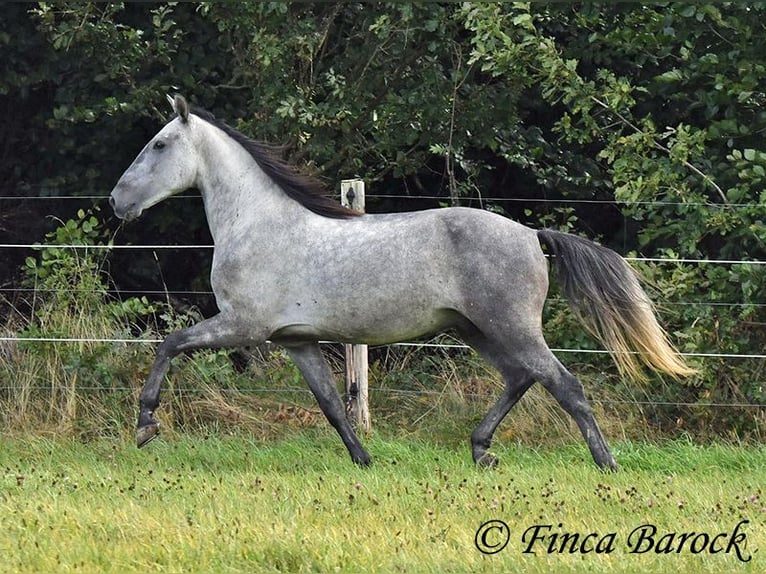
pixel 368 327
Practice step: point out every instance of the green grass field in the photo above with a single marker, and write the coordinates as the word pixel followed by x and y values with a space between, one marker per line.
pixel 231 504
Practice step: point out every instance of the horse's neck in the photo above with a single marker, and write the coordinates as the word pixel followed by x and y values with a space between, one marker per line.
pixel 240 199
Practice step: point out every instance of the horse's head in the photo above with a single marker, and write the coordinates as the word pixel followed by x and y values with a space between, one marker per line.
pixel 166 166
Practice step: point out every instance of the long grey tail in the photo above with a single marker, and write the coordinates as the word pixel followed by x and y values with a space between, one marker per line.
pixel 605 294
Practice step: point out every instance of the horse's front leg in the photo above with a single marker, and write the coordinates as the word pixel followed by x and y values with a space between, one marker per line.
pixel 218 331
pixel 309 360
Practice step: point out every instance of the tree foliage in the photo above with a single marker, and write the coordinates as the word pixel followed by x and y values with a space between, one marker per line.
pixel 639 124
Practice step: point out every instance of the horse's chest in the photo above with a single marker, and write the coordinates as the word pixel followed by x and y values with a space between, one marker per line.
pixel 242 283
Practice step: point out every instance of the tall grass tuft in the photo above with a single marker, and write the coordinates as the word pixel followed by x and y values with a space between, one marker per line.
pixel 47 386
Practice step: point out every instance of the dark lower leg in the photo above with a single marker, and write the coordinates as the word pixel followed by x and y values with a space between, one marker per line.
pixel 568 391
pixel 517 382
pixel 148 428
pixel 481 437
pixel 311 363
pixel 217 331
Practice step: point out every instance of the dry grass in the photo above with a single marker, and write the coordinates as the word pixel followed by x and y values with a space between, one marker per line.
pixel 91 389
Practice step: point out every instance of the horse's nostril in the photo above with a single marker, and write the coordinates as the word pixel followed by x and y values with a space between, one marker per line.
pixel 111 202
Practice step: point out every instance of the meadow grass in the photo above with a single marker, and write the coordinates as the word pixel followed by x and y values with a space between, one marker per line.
pixel 217 503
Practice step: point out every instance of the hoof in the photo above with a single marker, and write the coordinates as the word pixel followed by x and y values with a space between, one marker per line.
pixel 487 460
pixel 363 460
pixel 147 433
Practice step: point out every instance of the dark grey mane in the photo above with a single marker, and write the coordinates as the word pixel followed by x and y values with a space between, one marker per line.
pixel 303 188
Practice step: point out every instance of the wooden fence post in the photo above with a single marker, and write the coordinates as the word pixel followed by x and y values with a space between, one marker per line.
pixel 357 406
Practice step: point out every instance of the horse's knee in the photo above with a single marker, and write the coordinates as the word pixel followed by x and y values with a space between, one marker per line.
pixel 170 346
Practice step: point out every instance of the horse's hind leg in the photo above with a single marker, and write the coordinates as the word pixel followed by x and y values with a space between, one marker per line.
pixel 520 369
pixel 569 393
pixel 313 366
pixel 517 382
pixel 481 437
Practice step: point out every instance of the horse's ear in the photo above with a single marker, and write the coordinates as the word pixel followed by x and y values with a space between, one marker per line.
pixel 180 106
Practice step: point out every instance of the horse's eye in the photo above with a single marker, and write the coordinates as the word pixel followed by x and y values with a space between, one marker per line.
pixel 159 144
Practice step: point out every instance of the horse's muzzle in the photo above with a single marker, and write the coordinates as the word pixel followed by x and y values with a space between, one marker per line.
pixel 125 213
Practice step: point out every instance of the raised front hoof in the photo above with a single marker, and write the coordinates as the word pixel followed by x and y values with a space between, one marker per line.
pixel 147 434
pixel 487 460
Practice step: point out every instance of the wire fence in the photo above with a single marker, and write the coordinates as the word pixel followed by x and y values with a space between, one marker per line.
pixel 165 292
pixel 155 341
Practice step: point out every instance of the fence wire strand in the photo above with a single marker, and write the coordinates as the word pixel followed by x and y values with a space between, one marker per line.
pixel 140 341
pixel 543 200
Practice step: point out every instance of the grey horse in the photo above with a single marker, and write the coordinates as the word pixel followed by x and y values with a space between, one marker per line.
pixel 294 267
